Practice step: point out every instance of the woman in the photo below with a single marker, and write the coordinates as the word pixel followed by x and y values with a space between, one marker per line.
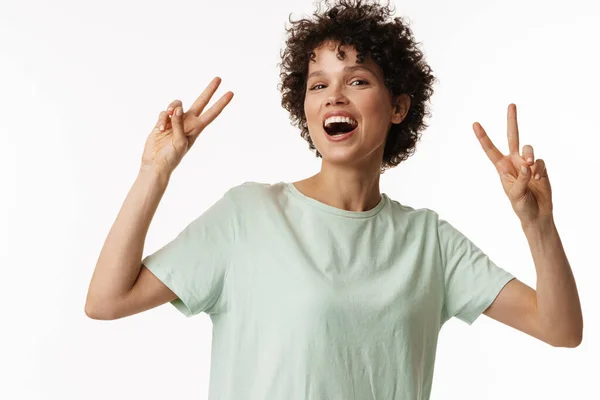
pixel 326 288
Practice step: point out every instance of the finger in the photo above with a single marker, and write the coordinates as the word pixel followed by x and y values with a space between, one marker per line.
pixel 174 104
pixel 513 130
pixel 213 112
pixel 161 122
pixel 210 115
pixel 204 97
pixel 177 121
pixel 521 184
pixel 528 154
pixel 486 144
pixel 539 170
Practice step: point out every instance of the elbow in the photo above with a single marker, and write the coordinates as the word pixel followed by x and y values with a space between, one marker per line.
pixel 568 335
pixel 98 313
pixel 574 341
pixel 571 341
pixel 90 312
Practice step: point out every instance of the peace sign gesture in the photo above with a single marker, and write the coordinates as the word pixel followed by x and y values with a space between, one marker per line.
pixel 176 131
pixel 524 179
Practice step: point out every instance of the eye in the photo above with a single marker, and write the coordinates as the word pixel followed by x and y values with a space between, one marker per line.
pixel 315 87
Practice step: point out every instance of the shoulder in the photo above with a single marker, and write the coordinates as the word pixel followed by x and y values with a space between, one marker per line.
pixel 254 188
pixel 251 193
pixel 421 216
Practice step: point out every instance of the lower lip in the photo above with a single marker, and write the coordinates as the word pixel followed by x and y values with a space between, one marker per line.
pixel 339 138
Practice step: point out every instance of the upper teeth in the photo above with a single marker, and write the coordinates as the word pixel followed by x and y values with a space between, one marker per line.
pixel 347 120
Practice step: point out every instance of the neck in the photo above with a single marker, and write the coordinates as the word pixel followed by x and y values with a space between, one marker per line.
pixel 352 190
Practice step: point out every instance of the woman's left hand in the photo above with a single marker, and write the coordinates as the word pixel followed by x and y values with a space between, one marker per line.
pixel 528 189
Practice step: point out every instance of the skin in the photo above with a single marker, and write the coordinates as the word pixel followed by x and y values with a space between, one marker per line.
pixel 350 170
pixel 121 285
pixel 349 180
pixel 552 312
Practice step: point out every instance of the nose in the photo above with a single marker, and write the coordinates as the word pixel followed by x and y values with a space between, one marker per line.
pixel 335 96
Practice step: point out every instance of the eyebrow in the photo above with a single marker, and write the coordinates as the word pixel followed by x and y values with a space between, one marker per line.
pixel 346 69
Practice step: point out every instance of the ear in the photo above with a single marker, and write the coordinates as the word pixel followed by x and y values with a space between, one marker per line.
pixel 401 106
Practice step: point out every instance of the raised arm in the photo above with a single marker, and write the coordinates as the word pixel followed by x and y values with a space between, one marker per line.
pixel 110 294
pixel 121 285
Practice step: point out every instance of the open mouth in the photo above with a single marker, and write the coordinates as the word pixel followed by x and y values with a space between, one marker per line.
pixel 339 128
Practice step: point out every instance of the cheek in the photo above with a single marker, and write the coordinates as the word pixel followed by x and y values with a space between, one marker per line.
pixel 377 110
pixel 311 113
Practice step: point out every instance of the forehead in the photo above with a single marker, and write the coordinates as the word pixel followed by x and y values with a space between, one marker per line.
pixel 328 56
pixel 329 50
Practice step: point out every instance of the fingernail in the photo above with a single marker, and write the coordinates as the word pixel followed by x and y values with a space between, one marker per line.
pixel 170 110
pixel 162 127
pixel 178 111
pixel 537 177
pixel 524 169
pixel 530 159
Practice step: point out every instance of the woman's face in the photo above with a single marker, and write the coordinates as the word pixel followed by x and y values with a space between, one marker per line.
pixel 344 85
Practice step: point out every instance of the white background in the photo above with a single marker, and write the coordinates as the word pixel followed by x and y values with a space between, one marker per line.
pixel 83 82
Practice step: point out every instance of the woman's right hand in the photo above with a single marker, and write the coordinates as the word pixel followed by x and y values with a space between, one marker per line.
pixel 166 147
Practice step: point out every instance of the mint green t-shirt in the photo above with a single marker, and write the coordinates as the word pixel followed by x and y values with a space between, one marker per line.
pixel 312 302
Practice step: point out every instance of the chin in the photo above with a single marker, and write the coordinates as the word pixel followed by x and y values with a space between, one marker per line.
pixel 351 155
pixel 347 156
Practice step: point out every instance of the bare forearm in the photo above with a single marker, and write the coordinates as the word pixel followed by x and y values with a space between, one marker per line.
pixel 119 262
pixel 557 297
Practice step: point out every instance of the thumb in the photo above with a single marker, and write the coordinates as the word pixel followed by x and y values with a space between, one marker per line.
pixel 520 185
pixel 177 122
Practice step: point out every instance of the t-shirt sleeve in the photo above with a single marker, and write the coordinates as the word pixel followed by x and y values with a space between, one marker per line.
pixel 472 281
pixel 195 263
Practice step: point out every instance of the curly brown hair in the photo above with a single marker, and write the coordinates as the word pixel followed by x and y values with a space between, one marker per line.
pixel 367 27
